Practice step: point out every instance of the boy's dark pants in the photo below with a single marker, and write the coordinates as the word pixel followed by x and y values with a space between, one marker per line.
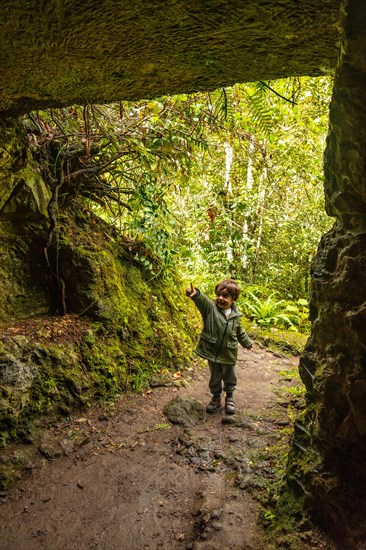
pixel 222 373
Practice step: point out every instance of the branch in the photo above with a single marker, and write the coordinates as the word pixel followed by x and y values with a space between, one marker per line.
pixel 278 94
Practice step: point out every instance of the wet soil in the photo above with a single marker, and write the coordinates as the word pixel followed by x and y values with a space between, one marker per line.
pixel 125 478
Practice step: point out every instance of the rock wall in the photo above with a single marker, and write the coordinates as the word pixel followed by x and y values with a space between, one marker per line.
pixel 58 53
pixel 331 464
pixel 121 326
pixel 23 229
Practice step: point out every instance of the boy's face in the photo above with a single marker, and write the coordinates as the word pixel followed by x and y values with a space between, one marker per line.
pixel 224 300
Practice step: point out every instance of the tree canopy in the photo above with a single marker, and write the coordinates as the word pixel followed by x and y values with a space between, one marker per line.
pixel 222 183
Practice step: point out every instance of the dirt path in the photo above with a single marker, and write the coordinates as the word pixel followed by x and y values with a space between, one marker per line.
pixel 130 480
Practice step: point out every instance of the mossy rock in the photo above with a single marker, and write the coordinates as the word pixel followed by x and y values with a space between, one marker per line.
pixel 280 340
pixel 185 411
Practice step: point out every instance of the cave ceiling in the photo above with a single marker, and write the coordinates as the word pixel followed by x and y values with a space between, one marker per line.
pixel 57 53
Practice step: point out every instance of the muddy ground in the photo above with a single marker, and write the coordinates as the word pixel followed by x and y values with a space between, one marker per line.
pixel 125 478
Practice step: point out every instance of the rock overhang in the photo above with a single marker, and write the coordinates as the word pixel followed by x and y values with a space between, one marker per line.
pixel 57 53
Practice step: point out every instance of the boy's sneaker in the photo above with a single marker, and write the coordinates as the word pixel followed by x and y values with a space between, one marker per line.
pixel 230 405
pixel 214 405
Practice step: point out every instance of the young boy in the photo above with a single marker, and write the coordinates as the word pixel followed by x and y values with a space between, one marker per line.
pixel 219 340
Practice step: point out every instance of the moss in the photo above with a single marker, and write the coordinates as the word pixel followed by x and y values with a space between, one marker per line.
pixel 281 340
pixel 287 509
pixel 22 273
pixel 7 475
pixel 76 363
pixel 119 330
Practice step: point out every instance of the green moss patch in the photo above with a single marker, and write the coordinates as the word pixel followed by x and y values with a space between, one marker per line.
pixel 121 329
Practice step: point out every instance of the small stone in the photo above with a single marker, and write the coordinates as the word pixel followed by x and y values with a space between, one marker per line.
pixel 49 451
pixel 228 420
pixel 161 379
pixel 218 455
pixel 185 411
pixel 216 514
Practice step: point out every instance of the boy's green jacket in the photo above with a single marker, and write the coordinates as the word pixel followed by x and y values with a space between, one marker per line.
pixel 220 336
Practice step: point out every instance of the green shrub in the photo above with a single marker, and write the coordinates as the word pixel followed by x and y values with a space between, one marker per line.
pixel 271 312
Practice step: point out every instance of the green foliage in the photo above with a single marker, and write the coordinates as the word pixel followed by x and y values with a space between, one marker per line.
pixel 259 110
pixel 265 312
pixel 226 182
pixel 268 311
pixel 257 213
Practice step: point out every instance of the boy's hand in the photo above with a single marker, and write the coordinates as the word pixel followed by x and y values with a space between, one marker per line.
pixel 191 291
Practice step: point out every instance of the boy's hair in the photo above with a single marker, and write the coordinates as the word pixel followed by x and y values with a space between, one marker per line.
pixel 231 286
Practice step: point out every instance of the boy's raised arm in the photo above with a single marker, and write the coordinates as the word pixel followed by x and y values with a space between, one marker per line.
pixel 191 291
